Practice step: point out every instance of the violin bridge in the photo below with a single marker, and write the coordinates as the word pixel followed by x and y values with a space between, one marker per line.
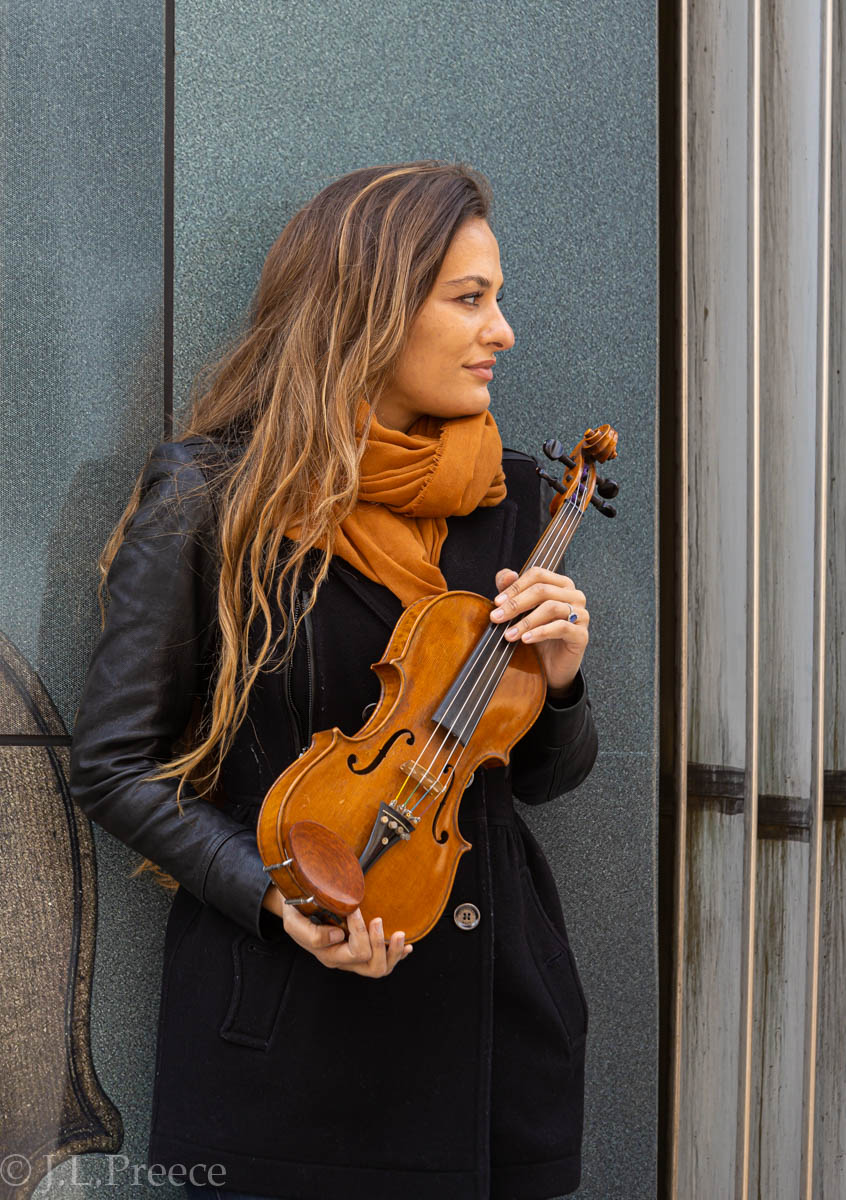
pixel 419 774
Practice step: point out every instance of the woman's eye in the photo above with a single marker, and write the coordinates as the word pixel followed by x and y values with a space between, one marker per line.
pixel 472 298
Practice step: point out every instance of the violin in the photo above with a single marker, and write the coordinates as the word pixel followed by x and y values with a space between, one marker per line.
pixel 371 820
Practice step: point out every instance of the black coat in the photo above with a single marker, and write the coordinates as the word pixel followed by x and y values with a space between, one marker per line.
pixel 458 1076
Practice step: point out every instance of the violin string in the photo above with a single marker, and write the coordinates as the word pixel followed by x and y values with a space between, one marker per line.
pixel 500 653
pixel 557 537
pixel 493 665
pixel 490 684
pixel 482 698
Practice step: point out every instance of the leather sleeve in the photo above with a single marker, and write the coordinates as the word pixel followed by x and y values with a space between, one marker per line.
pixel 558 752
pixel 150 664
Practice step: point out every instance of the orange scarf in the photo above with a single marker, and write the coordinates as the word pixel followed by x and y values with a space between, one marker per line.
pixel 409 484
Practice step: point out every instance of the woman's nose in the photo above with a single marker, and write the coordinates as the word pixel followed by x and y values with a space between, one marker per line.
pixel 501 333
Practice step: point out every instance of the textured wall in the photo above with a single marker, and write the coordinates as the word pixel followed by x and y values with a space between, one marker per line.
pixel 555 103
pixel 81 337
pixel 80 403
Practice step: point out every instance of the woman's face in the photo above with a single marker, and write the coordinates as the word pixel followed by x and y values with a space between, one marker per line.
pixel 445 366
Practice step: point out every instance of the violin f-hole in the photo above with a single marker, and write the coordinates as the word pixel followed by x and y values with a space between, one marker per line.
pixel 443 837
pixel 383 750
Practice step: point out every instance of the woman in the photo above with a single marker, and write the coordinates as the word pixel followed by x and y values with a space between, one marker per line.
pixel 341 463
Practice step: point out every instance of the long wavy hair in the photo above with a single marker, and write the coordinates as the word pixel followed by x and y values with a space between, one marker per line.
pixel 330 316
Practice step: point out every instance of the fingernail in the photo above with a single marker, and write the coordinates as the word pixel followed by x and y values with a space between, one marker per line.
pixel 378 924
pixel 497 612
pixel 407 951
pixel 500 599
pixel 336 935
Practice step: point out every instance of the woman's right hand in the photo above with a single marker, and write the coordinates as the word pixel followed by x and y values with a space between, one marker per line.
pixel 363 951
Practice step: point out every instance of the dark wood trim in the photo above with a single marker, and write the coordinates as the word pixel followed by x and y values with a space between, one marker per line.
pixel 669 377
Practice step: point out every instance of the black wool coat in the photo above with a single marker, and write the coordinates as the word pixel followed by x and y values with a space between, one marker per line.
pixel 457 1077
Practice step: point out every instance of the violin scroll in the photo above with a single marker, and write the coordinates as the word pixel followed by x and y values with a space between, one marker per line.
pixel 599 444
pixel 581 480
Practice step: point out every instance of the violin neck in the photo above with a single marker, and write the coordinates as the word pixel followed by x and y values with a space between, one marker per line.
pixel 556 538
pixel 467 699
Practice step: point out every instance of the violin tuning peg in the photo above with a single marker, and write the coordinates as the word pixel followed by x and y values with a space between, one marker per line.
pixel 607 488
pixel 554 450
pixel 550 480
pixel 607 510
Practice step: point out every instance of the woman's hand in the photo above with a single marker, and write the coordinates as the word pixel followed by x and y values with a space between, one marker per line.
pixel 363 951
pixel 547 600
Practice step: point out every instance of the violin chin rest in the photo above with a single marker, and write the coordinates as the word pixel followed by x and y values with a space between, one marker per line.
pixel 325 867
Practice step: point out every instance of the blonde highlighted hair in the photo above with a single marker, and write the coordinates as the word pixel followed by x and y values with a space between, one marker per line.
pixel 330 316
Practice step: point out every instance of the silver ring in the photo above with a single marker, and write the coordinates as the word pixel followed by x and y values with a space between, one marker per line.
pixel 573 614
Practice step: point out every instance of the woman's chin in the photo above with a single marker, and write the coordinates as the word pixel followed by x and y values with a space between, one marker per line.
pixel 475 401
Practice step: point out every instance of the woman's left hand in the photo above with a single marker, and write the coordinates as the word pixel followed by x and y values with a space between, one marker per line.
pixel 547 600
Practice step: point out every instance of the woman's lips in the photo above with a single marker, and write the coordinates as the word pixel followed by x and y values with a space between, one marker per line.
pixel 481 372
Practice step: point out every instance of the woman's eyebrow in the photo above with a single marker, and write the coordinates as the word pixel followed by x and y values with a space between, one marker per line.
pixel 480 279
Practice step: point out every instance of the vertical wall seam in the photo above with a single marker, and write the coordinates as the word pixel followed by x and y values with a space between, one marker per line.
pixel 753 567
pixel 682 556
pixel 167 219
pixel 820 551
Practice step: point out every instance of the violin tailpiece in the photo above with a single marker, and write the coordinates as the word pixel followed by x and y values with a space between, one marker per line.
pixel 389 827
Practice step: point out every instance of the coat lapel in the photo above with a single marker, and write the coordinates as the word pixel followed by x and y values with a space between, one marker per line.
pixel 477 546
pixel 376 596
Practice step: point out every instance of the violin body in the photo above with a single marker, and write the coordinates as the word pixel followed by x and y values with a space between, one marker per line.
pixel 408 853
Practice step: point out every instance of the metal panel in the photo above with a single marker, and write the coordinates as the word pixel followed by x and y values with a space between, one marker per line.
pixel 756 227
pixel 830 1111
pixel 710 1063
pixel 80 295
pixel 753 553
pixel 789 215
pixel 819 606
pixel 80 405
pixel 775 1134
pixel 715 447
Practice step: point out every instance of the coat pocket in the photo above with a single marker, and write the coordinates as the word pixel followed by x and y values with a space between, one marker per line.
pixel 261 980
pixel 555 962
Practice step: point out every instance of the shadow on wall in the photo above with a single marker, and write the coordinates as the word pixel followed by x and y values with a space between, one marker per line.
pixel 69 623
